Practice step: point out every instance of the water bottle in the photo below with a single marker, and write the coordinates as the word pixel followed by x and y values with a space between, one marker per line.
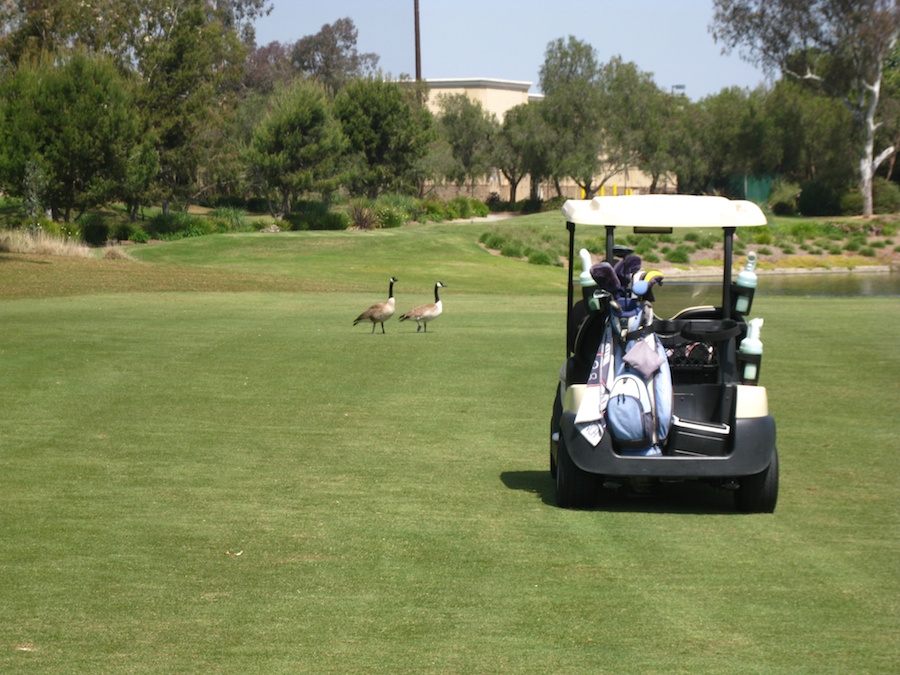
pixel 752 346
pixel 746 279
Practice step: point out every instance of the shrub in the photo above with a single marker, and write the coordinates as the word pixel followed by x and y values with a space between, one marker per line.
pixel 409 207
pixel 306 214
pixel 138 236
pixel 257 205
pixel 94 229
pixel 651 258
pixel 540 258
pixel 362 215
pixel 163 225
pixel 679 255
pixel 851 203
pixel 707 242
pixel 460 207
pixel 232 219
pixel 821 197
pixel 434 210
pixel 867 251
pixel 553 204
pixel 492 240
pixel 644 246
pixel 885 196
pixel 389 216
pixel 512 249
pixel 761 235
pixel 332 220
pixel 765 250
pixel 783 198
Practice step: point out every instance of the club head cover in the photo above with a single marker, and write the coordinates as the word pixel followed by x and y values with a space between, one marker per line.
pixel 606 278
pixel 626 268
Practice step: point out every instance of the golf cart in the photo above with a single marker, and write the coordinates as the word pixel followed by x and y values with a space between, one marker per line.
pixel 642 399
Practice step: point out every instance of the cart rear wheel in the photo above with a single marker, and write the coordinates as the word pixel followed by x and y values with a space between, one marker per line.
pixel 759 493
pixel 575 488
pixel 554 431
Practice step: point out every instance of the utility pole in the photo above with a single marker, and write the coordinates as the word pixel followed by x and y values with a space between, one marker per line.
pixel 418 45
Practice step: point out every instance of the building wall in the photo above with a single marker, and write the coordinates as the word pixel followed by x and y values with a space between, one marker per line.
pixel 497 97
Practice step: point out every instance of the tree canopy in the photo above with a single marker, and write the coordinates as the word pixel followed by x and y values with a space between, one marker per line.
pixel 835 44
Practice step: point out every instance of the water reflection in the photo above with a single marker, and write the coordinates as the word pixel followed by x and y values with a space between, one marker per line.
pixel 676 294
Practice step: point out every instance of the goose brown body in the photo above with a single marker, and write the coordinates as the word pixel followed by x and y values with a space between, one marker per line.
pixel 425 313
pixel 380 311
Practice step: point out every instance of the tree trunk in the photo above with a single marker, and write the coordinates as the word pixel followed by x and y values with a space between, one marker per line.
pixel 869 164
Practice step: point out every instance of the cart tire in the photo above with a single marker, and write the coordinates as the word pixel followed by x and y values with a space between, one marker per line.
pixel 554 429
pixel 575 488
pixel 759 493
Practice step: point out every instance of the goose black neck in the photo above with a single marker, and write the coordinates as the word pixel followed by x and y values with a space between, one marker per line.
pixel 391 289
pixel 436 298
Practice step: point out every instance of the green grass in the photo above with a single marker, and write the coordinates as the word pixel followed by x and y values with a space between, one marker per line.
pixel 205 468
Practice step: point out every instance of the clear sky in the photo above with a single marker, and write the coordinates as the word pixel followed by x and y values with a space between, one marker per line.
pixel 507 39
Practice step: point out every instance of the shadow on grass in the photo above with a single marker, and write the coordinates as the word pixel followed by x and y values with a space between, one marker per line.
pixel 687 497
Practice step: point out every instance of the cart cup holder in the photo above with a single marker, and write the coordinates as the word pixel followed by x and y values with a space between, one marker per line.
pixel 749 366
pixel 741 299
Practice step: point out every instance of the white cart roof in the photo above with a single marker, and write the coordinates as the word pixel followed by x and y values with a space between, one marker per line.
pixel 663 211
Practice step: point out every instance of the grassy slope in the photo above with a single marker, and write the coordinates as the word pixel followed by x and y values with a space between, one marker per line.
pixel 206 481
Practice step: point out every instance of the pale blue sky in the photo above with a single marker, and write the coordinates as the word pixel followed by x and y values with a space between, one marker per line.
pixel 506 39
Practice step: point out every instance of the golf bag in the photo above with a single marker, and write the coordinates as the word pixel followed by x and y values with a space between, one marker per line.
pixel 630 386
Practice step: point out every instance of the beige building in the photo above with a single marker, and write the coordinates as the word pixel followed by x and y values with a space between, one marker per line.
pixel 498 96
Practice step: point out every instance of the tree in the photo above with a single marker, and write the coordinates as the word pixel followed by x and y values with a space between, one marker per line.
pixel 597 112
pixel 815 134
pixel 569 78
pixel 656 137
pixel 838 45
pixel 187 57
pixel 388 133
pixel 470 132
pixel 296 148
pixel 540 151
pixel 67 127
pixel 122 29
pixel 691 129
pixel 188 67
pixel 267 67
pixel 511 146
pixel 330 56
pixel 889 133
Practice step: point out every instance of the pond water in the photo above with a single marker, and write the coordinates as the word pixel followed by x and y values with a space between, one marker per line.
pixel 677 294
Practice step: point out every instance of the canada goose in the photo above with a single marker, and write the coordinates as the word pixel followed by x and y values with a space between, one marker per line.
pixel 380 311
pixel 425 313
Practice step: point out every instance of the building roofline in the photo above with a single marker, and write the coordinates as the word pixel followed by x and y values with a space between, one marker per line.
pixel 485 82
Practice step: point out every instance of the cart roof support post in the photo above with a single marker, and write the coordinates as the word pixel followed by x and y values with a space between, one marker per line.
pixel 726 273
pixel 570 226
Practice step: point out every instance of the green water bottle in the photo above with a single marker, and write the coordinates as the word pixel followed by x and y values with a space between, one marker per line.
pixel 746 279
pixel 752 346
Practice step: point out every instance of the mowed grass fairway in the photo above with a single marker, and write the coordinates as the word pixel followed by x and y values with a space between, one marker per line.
pixel 205 468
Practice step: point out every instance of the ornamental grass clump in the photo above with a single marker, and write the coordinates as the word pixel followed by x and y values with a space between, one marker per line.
pixel 39 242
